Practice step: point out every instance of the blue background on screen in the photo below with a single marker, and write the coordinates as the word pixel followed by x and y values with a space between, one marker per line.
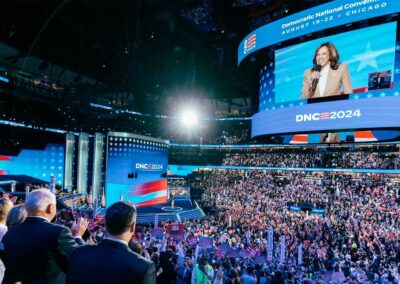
pixel 366 50
pixel 123 154
pixel 278 31
pixel 40 164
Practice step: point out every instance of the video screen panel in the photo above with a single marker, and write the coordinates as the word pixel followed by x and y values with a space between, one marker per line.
pixel 40 164
pixel 331 68
pixel 367 52
pixel 322 17
pixel 136 169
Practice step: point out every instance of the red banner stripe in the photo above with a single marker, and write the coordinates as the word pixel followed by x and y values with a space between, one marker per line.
pixel 149 187
pixel 152 202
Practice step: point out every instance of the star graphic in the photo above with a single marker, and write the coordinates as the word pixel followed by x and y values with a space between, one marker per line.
pixel 281 106
pixel 397 47
pixel 369 96
pixel 356 96
pixel 273 107
pixel 382 94
pixel 396 93
pixel 396 71
pixel 301 103
pixel 291 104
pixel 368 58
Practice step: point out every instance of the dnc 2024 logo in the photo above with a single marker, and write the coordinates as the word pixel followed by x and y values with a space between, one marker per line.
pixel 341 114
pixel 142 166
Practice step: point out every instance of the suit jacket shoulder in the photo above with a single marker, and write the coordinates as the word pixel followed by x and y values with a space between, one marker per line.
pixel 37 250
pixel 115 262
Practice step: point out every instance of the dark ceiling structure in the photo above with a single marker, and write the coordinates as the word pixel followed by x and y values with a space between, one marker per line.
pixel 136 55
pixel 144 47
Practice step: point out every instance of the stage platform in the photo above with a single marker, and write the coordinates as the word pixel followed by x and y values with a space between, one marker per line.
pixel 183 210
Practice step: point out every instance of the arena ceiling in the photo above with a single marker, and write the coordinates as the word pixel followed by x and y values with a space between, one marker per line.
pixel 146 48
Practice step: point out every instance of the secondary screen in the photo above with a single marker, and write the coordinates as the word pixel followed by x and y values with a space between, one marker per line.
pixel 136 170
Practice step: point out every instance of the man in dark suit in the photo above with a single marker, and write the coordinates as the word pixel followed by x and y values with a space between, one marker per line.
pixel 111 261
pixel 37 251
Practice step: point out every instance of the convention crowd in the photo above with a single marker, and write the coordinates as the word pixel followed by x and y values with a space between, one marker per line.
pixel 354 239
pixel 351 160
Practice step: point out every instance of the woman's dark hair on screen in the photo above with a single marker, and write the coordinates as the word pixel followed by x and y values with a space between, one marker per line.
pixel 333 55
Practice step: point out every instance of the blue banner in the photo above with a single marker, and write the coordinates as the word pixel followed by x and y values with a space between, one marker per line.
pixel 316 211
pixel 332 14
pixel 338 115
pixel 294 208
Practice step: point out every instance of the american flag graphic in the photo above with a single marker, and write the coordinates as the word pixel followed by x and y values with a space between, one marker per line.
pixel 250 42
pixel 324 115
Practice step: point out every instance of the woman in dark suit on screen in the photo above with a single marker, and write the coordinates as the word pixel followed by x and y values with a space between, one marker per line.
pixel 327 74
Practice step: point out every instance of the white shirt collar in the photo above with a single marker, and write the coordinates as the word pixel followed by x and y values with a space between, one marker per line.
pixel 323 80
pixel 117 240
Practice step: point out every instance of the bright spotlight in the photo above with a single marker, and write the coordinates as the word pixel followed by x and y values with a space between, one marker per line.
pixel 189 119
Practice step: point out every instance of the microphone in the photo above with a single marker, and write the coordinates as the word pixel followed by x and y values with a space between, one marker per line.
pixel 315 81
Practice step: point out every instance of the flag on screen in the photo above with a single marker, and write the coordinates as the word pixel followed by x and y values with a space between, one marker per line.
pixel 324 115
pixel 250 42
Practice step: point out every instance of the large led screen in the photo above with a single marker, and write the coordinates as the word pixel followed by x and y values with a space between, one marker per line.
pixel 336 68
pixel 367 52
pixel 136 169
pixel 316 19
pixel 36 163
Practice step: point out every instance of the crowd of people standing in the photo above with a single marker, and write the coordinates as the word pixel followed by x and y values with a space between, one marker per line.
pixel 354 239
